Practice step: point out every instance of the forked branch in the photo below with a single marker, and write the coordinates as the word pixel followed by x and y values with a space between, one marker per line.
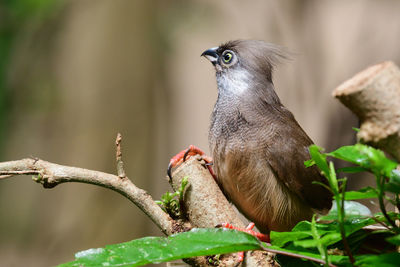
pixel 50 175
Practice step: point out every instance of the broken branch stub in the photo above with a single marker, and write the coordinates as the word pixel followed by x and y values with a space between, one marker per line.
pixel 206 207
pixel 374 96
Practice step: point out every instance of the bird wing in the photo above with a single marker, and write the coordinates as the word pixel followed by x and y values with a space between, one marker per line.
pixel 285 151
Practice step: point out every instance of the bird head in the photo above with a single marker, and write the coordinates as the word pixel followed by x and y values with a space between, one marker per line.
pixel 244 64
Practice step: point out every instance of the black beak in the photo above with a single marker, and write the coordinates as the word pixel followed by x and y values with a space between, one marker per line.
pixel 211 55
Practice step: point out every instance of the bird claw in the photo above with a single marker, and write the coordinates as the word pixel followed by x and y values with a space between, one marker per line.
pixel 184 154
pixel 249 230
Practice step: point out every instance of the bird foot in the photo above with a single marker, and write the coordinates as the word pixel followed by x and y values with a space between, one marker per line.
pixel 249 230
pixel 184 154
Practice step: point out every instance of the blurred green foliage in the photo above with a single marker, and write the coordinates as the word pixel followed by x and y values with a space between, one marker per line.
pixel 15 16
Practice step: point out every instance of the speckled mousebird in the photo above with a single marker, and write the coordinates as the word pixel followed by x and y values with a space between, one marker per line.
pixel 258 148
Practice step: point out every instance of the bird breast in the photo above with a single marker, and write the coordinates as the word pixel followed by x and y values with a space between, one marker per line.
pixel 246 178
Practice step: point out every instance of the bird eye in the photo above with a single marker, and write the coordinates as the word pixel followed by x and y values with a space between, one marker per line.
pixel 228 57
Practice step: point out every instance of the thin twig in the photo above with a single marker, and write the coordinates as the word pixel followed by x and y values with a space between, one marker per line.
pixel 120 164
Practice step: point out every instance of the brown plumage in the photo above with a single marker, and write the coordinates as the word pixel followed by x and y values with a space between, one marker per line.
pixel 257 146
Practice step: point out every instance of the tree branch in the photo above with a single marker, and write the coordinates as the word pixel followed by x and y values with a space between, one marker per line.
pixel 208 207
pixel 374 96
pixel 50 175
pixel 205 203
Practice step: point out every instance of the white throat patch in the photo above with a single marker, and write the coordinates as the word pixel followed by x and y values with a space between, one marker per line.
pixel 234 81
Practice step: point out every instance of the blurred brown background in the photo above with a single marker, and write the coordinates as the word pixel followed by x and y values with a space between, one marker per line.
pixel 74 73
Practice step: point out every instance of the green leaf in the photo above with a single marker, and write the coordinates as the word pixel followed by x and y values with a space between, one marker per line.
pixel 302 231
pixel 366 157
pixel 319 159
pixel 181 189
pixel 170 202
pixel 309 163
pixel 281 238
pixel 364 193
pixel 148 250
pixel 335 259
pixel 305 226
pixel 354 169
pixel 394 240
pixel 393 185
pixel 326 240
pixel 332 180
pixel 353 195
pixel 352 223
pixel 382 260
